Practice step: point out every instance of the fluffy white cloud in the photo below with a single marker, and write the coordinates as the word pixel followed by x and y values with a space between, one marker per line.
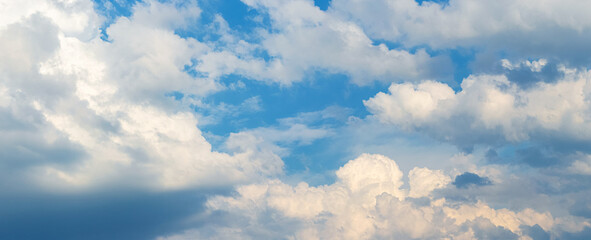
pixel 73 17
pixel 423 181
pixel 146 58
pixel 103 104
pixel 302 39
pixel 490 109
pixel 365 202
pixel 78 112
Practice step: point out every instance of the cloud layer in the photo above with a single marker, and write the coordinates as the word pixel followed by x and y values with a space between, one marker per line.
pixel 489 109
pixel 367 202
pixel 135 111
pixel 101 104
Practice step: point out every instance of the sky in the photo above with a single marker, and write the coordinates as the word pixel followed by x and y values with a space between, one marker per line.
pixel 295 119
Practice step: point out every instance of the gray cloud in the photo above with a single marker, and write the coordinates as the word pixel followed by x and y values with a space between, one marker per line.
pixel 536 232
pixel 515 30
pixel 468 179
pixel 92 147
pixel 113 214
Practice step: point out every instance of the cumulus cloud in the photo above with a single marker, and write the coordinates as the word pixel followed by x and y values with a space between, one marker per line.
pixel 84 109
pixel 74 18
pixel 507 26
pixel 367 201
pixel 423 181
pixel 303 39
pixel 98 108
pixel 489 109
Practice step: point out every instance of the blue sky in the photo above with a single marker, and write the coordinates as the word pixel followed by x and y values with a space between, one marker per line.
pixel 295 119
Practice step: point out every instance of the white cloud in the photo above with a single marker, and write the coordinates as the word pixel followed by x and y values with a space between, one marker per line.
pixel 534 66
pixel 298 133
pixel 74 18
pixel 423 181
pixel 105 103
pixel 489 30
pixel 489 109
pixel 79 113
pixel 462 21
pixel 146 57
pixel 276 138
pixel 213 113
pixel 366 202
pixel 302 39
pixel 409 104
pixel 582 165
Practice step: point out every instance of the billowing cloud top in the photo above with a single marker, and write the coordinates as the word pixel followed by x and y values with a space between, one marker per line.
pixel 295 119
